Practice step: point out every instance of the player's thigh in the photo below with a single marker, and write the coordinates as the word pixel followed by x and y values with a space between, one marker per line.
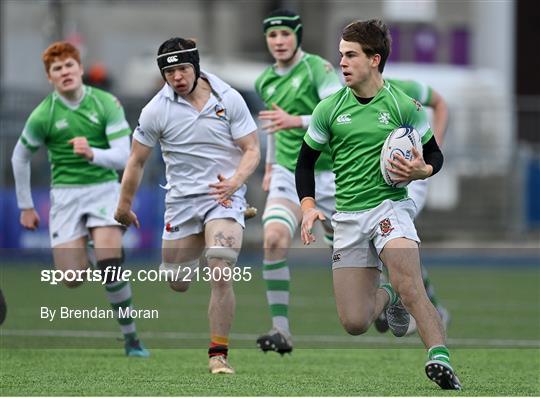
pixel 182 250
pixel 67 216
pixel 355 291
pixel 180 259
pixel 71 255
pixel 223 232
pixel 107 242
pixel 223 243
pixel 402 259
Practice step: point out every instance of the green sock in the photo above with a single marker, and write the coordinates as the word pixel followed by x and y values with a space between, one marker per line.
pixel 391 293
pixel 277 277
pixel 439 353
pixel 119 295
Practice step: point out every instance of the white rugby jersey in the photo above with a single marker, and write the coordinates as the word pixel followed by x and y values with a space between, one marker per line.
pixel 196 146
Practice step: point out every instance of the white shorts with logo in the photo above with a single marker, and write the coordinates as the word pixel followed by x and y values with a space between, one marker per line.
pixel 188 215
pixel 359 237
pixel 76 209
pixel 417 191
pixel 282 185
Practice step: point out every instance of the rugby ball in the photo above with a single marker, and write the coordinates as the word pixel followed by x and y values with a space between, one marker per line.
pixel 400 141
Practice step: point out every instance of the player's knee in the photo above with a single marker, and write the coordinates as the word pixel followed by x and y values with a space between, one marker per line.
pixel 410 296
pixel 219 258
pixel 179 275
pixel 221 254
pixel 406 288
pixel 282 216
pixel 355 326
pixel 355 323
pixel 111 269
pixel 274 240
pixel 179 286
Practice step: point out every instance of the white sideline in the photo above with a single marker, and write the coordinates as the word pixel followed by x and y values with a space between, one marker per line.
pixel 408 341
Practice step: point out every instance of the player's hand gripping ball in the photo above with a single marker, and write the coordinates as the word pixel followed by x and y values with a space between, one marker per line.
pixel 400 141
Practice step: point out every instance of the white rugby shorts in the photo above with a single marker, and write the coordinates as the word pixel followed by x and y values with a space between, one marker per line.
pixel 417 191
pixel 359 237
pixel 187 215
pixel 76 209
pixel 282 185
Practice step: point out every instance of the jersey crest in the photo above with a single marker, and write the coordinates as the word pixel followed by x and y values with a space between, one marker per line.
pixel 384 117
pixel 270 91
pixel 61 124
pixel 93 117
pixel 385 227
pixel 295 83
pixel 221 112
pixel 417 104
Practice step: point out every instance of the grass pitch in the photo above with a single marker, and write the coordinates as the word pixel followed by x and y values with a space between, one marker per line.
pixel 494 339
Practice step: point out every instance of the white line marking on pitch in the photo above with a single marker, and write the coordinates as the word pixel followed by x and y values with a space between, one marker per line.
pixel 409 341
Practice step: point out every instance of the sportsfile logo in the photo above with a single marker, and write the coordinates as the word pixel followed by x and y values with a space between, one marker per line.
pixel 172 58
pixel 344 118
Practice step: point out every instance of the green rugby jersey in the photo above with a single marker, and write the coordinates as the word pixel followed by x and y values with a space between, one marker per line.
pixel 298 92
pixel 99 117
pixel 414 89
pixel 356 134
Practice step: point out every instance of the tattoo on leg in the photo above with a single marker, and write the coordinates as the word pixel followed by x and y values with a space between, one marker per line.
pixel 221 240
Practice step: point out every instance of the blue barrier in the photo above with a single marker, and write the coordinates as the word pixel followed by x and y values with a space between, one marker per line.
pixel 148 204
pixel 532 200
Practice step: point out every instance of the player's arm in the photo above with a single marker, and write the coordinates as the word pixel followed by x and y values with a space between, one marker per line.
pixel 20 161
pixel 115 157
pixel 251 155
pixel 117 132
pixel 440 115
pixel 433 156
pixel 315 140
pixel 278 119
pixel 130 183
pixel 305 187
pixel 326 82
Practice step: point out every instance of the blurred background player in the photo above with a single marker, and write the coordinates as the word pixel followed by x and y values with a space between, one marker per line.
pixel 210 148
pixel 290 88
pixel 87 137
pixel 374 221
pixel 98 76
pixel 417 190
